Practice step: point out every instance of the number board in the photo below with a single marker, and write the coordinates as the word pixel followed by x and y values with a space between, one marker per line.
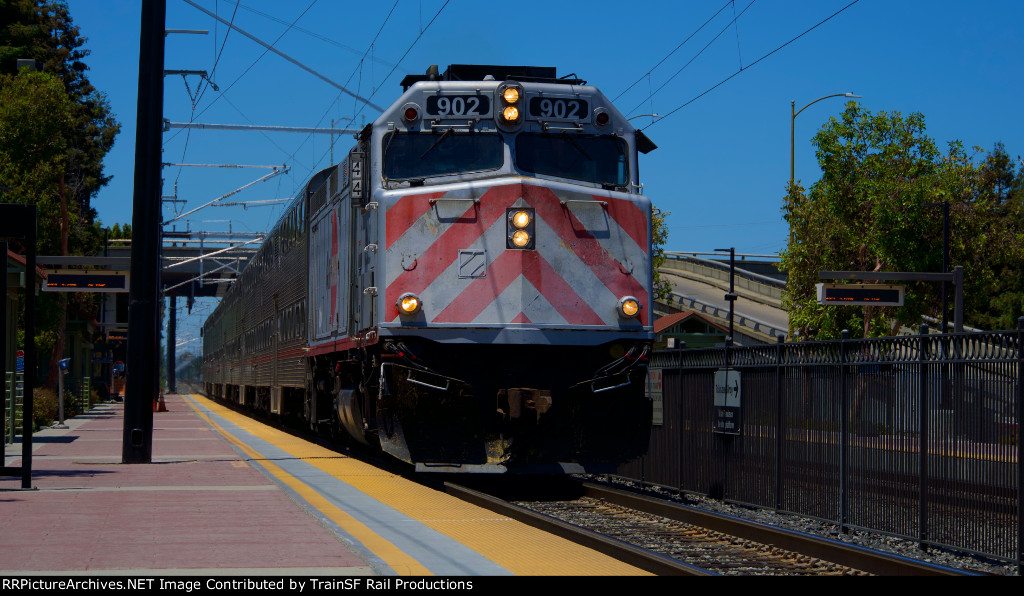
pixel 572 109
pixel 458 106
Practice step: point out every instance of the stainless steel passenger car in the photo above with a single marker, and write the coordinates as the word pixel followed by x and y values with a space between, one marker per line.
pixel 469 289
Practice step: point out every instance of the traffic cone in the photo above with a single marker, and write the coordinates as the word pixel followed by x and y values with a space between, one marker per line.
pixel 160 406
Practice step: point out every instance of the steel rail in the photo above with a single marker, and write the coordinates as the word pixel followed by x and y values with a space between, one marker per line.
pixel 841 553
pixel 636 556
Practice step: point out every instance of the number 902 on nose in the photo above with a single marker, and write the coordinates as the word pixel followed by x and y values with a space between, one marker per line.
pixel 458 106
pixel 573 109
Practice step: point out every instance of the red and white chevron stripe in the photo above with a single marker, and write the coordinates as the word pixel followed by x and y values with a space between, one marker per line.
pixel 590 251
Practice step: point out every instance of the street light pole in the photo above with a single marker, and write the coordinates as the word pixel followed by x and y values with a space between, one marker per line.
pixel 792 129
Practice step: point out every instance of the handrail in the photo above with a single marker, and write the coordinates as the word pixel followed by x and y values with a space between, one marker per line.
pixel 740 256
pixel 935 321
pixel 764 279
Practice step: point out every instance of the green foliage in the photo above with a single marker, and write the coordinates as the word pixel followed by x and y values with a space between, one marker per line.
pixel 120 232
pixel 878 207
pixel 55 129
pixel 659 236
pixel 42 30
pixel 45 407
pixel 35 118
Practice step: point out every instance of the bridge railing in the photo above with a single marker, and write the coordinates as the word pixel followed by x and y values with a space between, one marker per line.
pixel 723 313
pixel 749 284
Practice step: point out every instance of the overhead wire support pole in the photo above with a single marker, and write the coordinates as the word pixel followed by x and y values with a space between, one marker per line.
pixel 143 323
pixel 256 127
pixel 245 205
pixel 285 56
pixel 210 254
pixel 236 191
pixel 214 165
pixel 220 280
pixel 199 73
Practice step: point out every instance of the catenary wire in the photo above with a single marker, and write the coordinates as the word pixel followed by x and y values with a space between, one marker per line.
pixel 669 55
pixel 697 55
pixel 725 80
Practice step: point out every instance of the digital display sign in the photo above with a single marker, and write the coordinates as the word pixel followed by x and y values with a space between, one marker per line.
pixel 101 281
pixel 860 294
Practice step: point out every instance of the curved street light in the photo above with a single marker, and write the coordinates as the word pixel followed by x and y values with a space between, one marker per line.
pixel 792 128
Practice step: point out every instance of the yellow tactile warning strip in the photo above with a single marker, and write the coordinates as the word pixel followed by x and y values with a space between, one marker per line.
pixel 512 545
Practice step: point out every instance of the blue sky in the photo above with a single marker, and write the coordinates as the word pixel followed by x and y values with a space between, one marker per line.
pixel 723 158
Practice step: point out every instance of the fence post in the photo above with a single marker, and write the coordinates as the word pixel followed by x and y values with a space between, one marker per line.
pixel 680 346
pixel 779 419
pixel 1020 447
pixel 923 438
pixel 844 337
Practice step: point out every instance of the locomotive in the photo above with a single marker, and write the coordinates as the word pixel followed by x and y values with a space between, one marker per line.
pixel 469 290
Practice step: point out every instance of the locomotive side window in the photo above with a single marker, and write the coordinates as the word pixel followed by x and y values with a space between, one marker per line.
pixel 597 159
pixel 410 156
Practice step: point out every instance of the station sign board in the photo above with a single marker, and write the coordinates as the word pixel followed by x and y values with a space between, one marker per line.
pixel 860 294
pixel 86 281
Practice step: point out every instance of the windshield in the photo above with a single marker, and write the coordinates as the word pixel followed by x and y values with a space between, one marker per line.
pixel 598 159
pixel 425 155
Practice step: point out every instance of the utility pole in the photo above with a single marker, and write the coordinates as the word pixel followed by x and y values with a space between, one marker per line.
pixel 142 371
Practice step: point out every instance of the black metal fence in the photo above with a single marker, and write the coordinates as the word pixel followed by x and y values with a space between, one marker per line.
pixel 913 436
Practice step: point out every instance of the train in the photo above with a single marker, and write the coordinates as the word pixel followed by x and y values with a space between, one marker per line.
pixel 468 290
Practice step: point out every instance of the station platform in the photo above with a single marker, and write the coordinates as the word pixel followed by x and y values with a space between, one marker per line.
pixel 225 495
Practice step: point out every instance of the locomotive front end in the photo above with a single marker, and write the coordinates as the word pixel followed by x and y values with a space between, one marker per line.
pixel 511 276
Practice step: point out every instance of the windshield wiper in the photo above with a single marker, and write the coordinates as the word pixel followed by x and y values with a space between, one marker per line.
pixel 573 142
pixel 437 142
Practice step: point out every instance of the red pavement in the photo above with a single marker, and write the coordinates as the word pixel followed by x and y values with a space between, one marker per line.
pixel 199 508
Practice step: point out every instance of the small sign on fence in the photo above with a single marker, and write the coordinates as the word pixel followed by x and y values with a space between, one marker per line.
pixel 727 402
pixel 655 393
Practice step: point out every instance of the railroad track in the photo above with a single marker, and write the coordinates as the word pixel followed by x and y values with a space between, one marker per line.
pixel 665 538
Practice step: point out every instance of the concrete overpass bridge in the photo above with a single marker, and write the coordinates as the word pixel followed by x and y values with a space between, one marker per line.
pixel 699 284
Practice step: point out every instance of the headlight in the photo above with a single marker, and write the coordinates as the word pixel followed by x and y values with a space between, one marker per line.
pixel 520 228
pixel 521 219
pixel 629 307
pixel 408 304
pixel 510 95
pixel 520 238
pixel 509 98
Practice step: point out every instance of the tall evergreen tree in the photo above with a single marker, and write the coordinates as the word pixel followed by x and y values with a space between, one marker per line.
pixel 55 129
pixel 43 31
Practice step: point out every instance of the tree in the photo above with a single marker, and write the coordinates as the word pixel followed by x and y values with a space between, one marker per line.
pixel 877 208
pixel 55 129
pixel 42 30
pixel 659 236
pixel 35 116
pixel 999 244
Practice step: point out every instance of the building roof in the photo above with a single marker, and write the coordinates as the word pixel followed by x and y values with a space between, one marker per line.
pixel 663 323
